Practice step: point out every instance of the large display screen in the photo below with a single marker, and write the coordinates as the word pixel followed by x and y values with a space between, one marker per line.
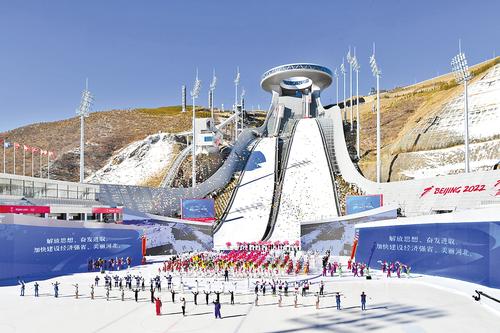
pixel 30 252
pixel 202 210
pixel 465 251
pixel 360 203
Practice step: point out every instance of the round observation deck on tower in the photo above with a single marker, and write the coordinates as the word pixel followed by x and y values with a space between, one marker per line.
pixel 296 75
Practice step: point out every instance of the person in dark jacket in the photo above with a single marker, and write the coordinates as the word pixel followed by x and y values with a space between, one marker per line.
pixel 363 301
pixel 217 308
pixel 23 287
pixel 36 288
pixel 195 296
pixel 207 293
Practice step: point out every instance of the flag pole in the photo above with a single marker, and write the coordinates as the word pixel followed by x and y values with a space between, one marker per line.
pixel 3 145
pixel 32 163
pixel 40 164
pixel 15 158
pixel 48 165
pixel 24 160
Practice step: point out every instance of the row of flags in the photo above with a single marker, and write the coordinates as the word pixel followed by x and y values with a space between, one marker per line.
pixel 33 150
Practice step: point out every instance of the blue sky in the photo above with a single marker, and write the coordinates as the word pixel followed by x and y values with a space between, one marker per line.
pixel 139 53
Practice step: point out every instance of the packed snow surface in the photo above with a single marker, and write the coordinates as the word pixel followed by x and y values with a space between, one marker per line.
pixel 307 193
pixel 137 162
pixel 416 304
pixel 447 161
pixel 249 214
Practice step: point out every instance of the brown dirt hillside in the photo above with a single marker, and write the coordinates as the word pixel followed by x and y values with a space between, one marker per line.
pixel 401 110
pixel 106 132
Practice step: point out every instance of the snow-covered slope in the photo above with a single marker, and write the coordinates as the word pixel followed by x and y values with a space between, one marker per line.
pixel 307 193
pixel 137 162
pixel 249 214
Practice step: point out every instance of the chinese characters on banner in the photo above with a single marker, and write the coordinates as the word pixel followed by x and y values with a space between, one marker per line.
pixel 69 244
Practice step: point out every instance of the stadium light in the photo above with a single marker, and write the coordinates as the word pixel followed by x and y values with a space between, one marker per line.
pixel 83 111
pixel 236 83
pixel 462 75
pixel 376 73
pixel 356 68
pixel 349 60
pixel 211 92
pixel 194 95
pixel 342 70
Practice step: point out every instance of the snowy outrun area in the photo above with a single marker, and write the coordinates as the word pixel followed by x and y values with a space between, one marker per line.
pixel 249 214
pixel 137 162
pixel 393 305
pixel 307 193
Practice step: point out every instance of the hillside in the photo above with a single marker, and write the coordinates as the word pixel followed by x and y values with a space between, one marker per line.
pixel 422 126
pixel 106 133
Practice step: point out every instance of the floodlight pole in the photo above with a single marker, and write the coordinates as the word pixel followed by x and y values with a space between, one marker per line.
pixel 376 72
pixel 349 59
pixel 342 68
pixel 212 93
pixel 194 94
pixel 242 97
pixel 462 74
pixel 356 68
pixel 466 127
pixel 337 85
pixel 378 130
pixel 83 111
pixel 82 147
pixel 236 83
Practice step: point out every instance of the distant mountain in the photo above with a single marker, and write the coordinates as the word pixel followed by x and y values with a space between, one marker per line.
pixel 423 125
pixel 105 134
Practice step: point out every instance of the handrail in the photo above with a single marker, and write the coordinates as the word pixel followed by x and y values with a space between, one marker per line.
pixel 278 185
pixel 480 293
pixel 330 166
pixel 235 190
pixel 174 169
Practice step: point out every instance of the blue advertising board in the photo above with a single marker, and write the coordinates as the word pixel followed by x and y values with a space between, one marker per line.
pixel 464 251
pixel 360 203
pixel 198 209
pixel 33 252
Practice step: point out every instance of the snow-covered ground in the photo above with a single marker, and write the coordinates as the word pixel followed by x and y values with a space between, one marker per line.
pixel 249 214
pixel 447 161
pixel 137 162
pixel 307 193
pixel 417 304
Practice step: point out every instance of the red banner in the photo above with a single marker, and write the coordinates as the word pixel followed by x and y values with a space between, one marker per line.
pixel 24 209
pixel 106 210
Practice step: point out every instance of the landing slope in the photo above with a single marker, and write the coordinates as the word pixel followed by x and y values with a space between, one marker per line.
pixel 308 192
pixel 249 214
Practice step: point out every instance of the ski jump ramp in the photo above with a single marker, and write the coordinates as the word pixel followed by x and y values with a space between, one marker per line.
pixel 248 215
pixel 308 191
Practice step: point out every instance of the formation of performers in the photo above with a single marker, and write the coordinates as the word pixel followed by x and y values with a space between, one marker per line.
pixel 101 264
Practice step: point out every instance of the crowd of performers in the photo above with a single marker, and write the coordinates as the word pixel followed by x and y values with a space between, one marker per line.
pixel 394 268
pixel 242 263
pixel 112 264
pixel 220 273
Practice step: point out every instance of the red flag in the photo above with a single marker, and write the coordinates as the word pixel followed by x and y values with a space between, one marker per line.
pixel 26 148
pixel 34 150
pixel 51 154
pixel 1 140
pixel 16 145
pixel 43 152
